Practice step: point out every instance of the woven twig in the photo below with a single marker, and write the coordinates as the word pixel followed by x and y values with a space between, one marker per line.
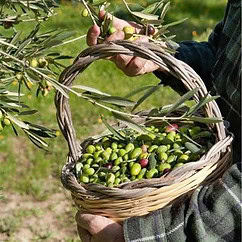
pixel 155 192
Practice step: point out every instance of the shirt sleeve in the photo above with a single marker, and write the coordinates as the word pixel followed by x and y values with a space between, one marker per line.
pixel 212 213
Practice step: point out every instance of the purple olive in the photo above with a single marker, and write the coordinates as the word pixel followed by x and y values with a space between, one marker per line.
pixel 171 127
pixel 108 165
pixel 143 162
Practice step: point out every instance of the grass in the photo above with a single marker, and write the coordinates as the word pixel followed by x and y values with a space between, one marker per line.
pixel 24 168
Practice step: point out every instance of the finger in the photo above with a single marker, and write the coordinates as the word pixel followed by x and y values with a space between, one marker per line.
pixel 122 61
pixel 118 35
pixel 92 35
pixel 93 223
pixel 136 66
pixel 84 235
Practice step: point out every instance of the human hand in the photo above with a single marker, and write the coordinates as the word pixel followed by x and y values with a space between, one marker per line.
pixel 131 66
pixel 94 228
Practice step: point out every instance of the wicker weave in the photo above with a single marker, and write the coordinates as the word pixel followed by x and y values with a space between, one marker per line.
pixel 139 197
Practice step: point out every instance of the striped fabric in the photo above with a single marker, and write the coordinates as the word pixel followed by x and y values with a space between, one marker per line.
pixel 211 213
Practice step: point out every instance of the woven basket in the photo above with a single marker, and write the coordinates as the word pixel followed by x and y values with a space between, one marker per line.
pixel 144 196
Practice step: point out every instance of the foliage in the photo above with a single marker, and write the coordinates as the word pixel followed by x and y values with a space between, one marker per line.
pixel 27 60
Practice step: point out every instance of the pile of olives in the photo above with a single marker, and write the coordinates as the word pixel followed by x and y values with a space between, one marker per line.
pixel 111 161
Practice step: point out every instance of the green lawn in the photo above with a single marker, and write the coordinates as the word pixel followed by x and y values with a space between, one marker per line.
pixel 24 168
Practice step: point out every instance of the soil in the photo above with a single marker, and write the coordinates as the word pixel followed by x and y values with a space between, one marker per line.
pixel 24 219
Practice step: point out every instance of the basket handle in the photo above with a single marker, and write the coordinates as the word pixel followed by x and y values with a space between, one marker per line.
pixel 149 51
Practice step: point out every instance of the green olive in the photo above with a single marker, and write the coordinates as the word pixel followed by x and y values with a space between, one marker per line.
pixel 123 169
pixel 163 166
pixel 151 173
pixel 34 63
pixel 114 145
pixel 89 161
pixel 106 155
pixel 129 31
pixel 183 158
pixel 122 152
pixel 110 184
pixel 117 174
pixel 85 13
pixel 195 130
pixel 6 121
pixel 131 164
pixel 152 148
pixel 110 178
pixel 90 149
pixel 98 160
pixel 113 156
pixel 86 156
pixel 95 166
pixel 117 181
pixel 126 157
pixel 106 144
pixel 112 30
pixel 109 150
pixel 142 173
pixel 98 147
pixel 84 178
pixel 86 166
pixel 135 153
pixel 115 168
pixel 89 171
pixel 162 156
pixel 161 149
pixel 171 158
pixel 129 147
pixel 176 146
pixel 97 154
pixel 178 165
pixel 118 161
pixel 135 169
pixel 121 145
pixel 177 152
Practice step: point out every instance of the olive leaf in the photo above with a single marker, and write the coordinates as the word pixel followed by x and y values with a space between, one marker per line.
pixel 140 15
pixel 146 95
pixel 204 100
pixel 112 130
pixel 164 10
pixel 145 16
pixel 114 100
pixel 130 123
pixel 18 122
pixel 152 161
pixel 192 147
pixel 206 120
pixel 90 89
pixel 136 91
pixel 40 143
pixel 153 8
pixel 182 100
pixel 29 112
pixel 175 23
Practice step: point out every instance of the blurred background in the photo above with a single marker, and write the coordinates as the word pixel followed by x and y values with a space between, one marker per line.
pixel 35 205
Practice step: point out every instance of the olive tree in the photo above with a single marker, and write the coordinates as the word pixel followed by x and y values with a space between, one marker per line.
pixel 26 60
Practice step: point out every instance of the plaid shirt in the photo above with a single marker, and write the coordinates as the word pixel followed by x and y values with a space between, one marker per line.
pixel 213 212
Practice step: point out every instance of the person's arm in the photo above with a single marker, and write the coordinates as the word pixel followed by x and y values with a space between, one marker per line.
pixel 212 213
